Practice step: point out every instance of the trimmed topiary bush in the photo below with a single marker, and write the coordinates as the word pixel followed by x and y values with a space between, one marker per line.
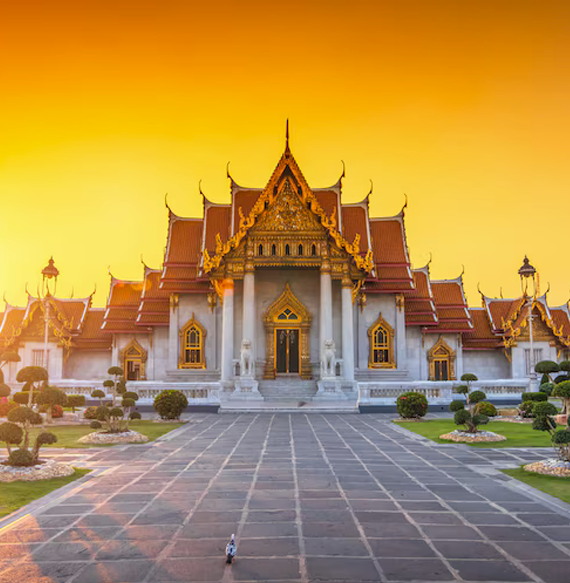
pixel 11 434
pixel 57 412
pixel 98 394
pixel 170 404
pixel 456 405
pixel 5 408
pixel 95 424
pixel 74 401
pixel 546 388
pixel 525 409
pixel 4 389
pixel 534 397
pixel 412 405
pixel 562 391
pixel 34 377
pixel 544 421
pixel 486 408
pixel 51 396
pixel 25 398
pixel 90 413
pixel 21 458
pixel 476 397
pixel 135 415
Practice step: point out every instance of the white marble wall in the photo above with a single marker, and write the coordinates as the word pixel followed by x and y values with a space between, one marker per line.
pixel 87 364
pixel 487 364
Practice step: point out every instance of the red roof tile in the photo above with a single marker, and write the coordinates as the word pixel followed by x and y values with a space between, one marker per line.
pixel 122 306
pixel 244 199
pixel 154 307
pixel 451 307
pixel 218 220
pixel 420 305
pixel 482 336
pixel 353 223
pixel 328 199
pixel 92 337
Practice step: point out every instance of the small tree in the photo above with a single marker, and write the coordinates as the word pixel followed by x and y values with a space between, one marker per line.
pixel 562 391
pixel 470 418
pixel 7 356
pixel 11 434
pixel 75 401
pixel 98 394
pixel 35 375
pixel 129 401
pixel 169 404
pixel 412 405
pixel 51 396
pixel 544 421
pixel 25 417
pixel 546 368
pixel 116 372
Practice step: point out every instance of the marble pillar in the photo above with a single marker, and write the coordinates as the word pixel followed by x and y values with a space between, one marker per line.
pixel 227 330
pixel 249 320
pixel 326 319
pixel 347 330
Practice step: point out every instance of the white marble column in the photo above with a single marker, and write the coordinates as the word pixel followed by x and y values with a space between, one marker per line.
pixel 249 308
pixel 400 340
pixel 173 338
pixel 228 330
pixel 347 330
pixel 326 320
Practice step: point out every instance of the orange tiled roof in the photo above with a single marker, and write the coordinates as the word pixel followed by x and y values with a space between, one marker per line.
pixel 244 199
pixel 154 308
pixel 92 337
pixel 328 199
pixel 217 220
pixel 122 306
pixel 451 306
pixel 354 219
pixel 502 310
pixel 420 305
pixel 11 321
pixel 561 319
pixel 482 336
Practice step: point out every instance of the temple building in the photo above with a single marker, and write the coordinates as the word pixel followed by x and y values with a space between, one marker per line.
pixel 285 291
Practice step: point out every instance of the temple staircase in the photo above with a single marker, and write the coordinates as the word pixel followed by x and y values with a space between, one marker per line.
pixel 285 389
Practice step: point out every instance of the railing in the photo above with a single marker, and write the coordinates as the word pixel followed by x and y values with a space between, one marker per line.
pixel 438 392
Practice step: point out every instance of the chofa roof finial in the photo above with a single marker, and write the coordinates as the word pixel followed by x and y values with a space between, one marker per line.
pixel 287 135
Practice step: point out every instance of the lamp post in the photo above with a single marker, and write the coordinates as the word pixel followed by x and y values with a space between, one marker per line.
pixel 50 271
pixel 527 272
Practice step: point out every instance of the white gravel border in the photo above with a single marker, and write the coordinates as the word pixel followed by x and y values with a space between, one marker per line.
pixel 550 467
pixel 45 471
pixel 102 438
pixel 480 436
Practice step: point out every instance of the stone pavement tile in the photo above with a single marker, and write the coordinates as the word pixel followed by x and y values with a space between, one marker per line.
pixel 557 533
pixel 274 486
pixel 85 498
pixel 366 495
pixel 341 569
pixel 489 571
pixel 219 505
pixel 341 514
pixel 69 509
pixel 435 518
pixel 510 533
pixel 330 529
pixel 460 549
pixel 379 505
pixel 332 493
pixel 208 517
pixel 462 507
pixel 100 520
pixel 138 498
pixel 269 547
pixel 204 530
pixel 225 496
pixel 349 547
pixel 120 508
pixel 265 569
pixel 44 521
pixel 277 504
pixel 160 517
pixel 42 573
pixel 529 551
pixel 523 506
pixel 387 548
pixel 542 519
pixel 189 570
pixel 422 506
pixel 391 530
pixel 152 532
pixel 271 516
pixel 415 570
pixel 68 551
pixel 383 517
pixel 490 518
pixel 451 532
pixel 208 547
pixel 130 549
pixel 455 493
pixel 412 495
pixel 15 551
pixel 551 571
pixel 28 535
pixel 268 529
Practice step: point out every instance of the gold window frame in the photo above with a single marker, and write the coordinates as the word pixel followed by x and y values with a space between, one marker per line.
pixel 192 323
pixel 134 352
pixel 441 351
pixel 389 331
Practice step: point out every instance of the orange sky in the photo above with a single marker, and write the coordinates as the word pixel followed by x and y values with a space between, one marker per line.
pixel 108 105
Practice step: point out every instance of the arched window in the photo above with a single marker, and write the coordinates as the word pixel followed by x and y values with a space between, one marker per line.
pixel 287 249
pixel 381 338
pixel 260 250
pixel 273 249
pixel 300 249
pixel 314 249
pixel 441 360
pixel 192 338
pixel 133 357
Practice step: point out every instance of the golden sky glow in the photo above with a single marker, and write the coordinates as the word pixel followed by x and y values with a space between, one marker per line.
pixel 107 105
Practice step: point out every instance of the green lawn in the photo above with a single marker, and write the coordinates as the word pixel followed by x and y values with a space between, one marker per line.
pixel 13 495
pixel 67 435
pixel 559 487
pixel 517 434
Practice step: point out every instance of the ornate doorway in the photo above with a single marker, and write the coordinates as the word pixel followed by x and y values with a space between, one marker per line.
pixel 287 323
pixel 287 350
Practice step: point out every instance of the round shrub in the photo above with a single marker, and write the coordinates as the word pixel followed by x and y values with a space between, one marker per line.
pixel 130 395
pixel 412 405
pixel 95 425
pixel 546 388
pixel 462 389
pixel 561 378
pixel 21 457
pixel 479 419
pixel 135 415
pixel 22 398
pixel 90 413
pixel 461 417
pixel 486 408
pixel 116 412
pixel 108 383
pixel 116 371
pixel 544 409
pixel 25 414
pixel 561 437
pixel 543 424
pixel 469 377
pixel 5 408
pixel 98 394
pixel 477 397
pixel 46 438
pixel 525 409
pixel 128 402
pixel 11 433
pixel 4 389
pixel 456 405
pixel 546 367
pixel 57 411
pixel 169 404
pixel 562 390
pixel 534 397
pixel 102 413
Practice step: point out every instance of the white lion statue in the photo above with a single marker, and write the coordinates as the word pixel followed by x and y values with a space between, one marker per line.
pixel 246 359
pixel 328 364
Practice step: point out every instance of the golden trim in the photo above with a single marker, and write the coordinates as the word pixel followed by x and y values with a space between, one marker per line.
pixel 192 323
pixel 441 352
pixel 389 331
pixel 141 358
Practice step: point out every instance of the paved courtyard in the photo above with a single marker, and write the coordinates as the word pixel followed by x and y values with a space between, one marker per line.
pixel 310 497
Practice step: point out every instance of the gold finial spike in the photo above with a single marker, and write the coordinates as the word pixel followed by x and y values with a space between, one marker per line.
pixel 287 134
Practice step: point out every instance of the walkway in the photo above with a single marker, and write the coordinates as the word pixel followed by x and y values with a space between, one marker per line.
pixel 311 498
